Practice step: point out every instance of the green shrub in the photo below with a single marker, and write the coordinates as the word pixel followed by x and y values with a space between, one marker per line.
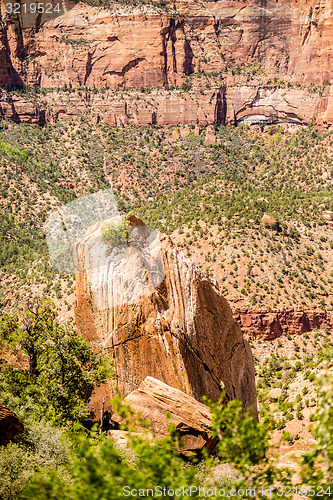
pixel 115 233
pixel 63 370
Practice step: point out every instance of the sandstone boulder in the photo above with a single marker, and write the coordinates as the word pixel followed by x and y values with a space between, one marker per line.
pixel 184 131
pixel 269 221
pixel 10 425
pixel 274 393
pixel 175 135
pixel 210 137
pixel 181 331
pixel 153 399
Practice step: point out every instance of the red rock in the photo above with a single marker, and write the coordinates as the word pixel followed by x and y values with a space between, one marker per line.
pixel 10 425
pixel 181 333
pixel 153 399
pixel 273 324
pixel 127 47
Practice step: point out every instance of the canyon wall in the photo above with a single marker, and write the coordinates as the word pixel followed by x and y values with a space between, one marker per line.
pixel 180 332
pixel 273 324
pixel 234 61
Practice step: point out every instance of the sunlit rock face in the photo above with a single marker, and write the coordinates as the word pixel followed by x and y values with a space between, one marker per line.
pixel 285 47
pixel 180 330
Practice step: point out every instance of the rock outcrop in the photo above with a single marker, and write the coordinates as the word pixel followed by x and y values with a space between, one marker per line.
pixel 273 324
pixel 10 425
pixel 153 399
pixel 180 332
pixel 262 62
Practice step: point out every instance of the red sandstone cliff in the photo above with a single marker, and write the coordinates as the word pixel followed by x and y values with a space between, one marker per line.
pixel 181 333
pixel 133 47
pixel 272 324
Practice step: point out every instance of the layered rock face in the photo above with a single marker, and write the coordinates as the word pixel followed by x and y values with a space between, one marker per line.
pixel 180 332
pixel 273 324
pixel 143 46
pixel 153 399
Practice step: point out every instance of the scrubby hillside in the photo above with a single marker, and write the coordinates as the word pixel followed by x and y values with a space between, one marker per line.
pixel 210 197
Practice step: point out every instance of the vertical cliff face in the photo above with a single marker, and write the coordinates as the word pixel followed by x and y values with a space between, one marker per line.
pixel 182 332
pixel 146 46
pixel 201 43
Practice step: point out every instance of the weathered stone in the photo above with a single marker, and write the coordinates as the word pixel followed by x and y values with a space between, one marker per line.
pixel 153 399
pixel 121 438
pixel 274 393
pixel 181 332
pixel 274 323
pixel 184 131
pixel 10 425
pixel 328 215
pixel 210 137
pixel 175 135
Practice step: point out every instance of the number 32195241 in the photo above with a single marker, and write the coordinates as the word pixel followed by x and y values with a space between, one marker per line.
pixel 32 8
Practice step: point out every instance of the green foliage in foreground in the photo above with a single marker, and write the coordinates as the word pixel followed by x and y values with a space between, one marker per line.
pixel 98 472
pixel 48 462
pixel 62 368
pixel 40 448
pixel 96 469
pixel 88 466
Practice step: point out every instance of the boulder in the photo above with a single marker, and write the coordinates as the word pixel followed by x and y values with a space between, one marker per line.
pixel 177 329
pixel 184 131
pixel 210 137
pixel 153 399
pixel 175 135
pixel 275 393
pixel 10 425
pixel 121 437
pixel 269 221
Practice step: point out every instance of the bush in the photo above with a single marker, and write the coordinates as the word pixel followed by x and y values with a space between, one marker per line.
pixel 38 449
pixel 115 234
pixel 63 370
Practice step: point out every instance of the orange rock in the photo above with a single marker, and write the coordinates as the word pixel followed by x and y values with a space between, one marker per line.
pixel 181 332
pixel 153 399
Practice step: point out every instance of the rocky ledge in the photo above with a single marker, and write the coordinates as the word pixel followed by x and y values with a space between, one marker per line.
pixel 273 324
